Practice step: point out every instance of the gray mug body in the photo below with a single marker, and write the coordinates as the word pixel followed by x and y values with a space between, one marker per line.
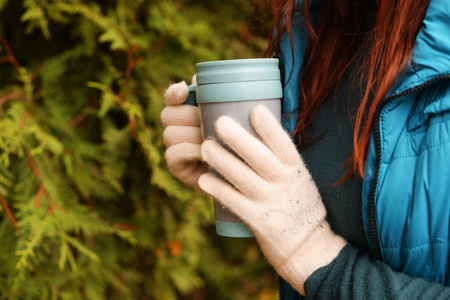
pixel 233 88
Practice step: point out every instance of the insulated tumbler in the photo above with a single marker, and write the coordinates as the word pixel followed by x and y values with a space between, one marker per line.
pixel 233 88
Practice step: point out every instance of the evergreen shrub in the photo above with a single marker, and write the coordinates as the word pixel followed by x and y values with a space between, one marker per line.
pixel 88 207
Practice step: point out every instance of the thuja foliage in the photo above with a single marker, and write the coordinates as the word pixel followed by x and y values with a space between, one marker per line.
pixel 88 207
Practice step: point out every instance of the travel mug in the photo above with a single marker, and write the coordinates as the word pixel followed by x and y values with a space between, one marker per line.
pixel 233 88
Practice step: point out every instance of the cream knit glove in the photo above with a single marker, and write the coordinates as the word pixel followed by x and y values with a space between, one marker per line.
pixel 182 135
pixel 272 191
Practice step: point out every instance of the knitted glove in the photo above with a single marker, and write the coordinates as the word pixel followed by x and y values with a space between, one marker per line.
pixel 272 191
pixel 182 135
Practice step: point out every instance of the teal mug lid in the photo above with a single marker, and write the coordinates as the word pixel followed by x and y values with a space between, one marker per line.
pixel 239 91
pixel 237 70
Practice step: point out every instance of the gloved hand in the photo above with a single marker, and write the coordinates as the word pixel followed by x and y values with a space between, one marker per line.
pixel 182 135
pixel 271 191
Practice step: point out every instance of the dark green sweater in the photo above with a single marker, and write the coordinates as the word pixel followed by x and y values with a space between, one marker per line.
pixel 326 161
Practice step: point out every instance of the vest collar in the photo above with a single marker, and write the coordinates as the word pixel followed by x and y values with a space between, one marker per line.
pixel 431 53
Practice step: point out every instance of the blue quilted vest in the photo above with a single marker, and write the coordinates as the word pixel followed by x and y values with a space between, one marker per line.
pixel 406 190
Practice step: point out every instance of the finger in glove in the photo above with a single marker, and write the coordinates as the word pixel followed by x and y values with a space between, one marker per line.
pixel 228 196
pixel 249 148
pixel 239 174
pixel 182 134
pixel 274 136
pixel 176 94
pixel 182 115
pixel 184 160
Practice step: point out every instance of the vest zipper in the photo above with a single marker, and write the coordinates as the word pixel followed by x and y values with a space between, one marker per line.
pixel 376 131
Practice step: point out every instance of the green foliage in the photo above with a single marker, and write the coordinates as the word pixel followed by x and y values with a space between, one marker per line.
pixel 88 207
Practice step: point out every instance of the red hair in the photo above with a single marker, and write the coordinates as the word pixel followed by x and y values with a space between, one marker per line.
pixel 335 41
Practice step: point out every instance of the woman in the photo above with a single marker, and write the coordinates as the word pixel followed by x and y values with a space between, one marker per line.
pixel 367 92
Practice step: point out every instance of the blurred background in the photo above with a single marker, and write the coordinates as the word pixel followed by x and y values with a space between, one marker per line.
pixel 88 207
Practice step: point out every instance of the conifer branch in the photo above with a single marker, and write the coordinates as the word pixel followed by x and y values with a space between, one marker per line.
pixel 132 126
pixel 41 190
pixel 39 194
pixel 131 119
pixel 10 96
pixel 132 62
pixel 10 215
pixel 77 120
pixel 79 246
pixel 35 74
pixel 23 120
pixel 9 54
pixel 130 66
pixel 98 154
pixel 126 227
pixel 31 245
pixel 52 205
pixel 33 164
pixel 73 123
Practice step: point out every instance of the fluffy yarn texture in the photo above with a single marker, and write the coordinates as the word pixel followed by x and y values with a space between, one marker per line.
pixel 269 187
pixel 182 135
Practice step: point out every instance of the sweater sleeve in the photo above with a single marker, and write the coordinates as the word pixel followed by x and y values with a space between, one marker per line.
pixel 357 275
